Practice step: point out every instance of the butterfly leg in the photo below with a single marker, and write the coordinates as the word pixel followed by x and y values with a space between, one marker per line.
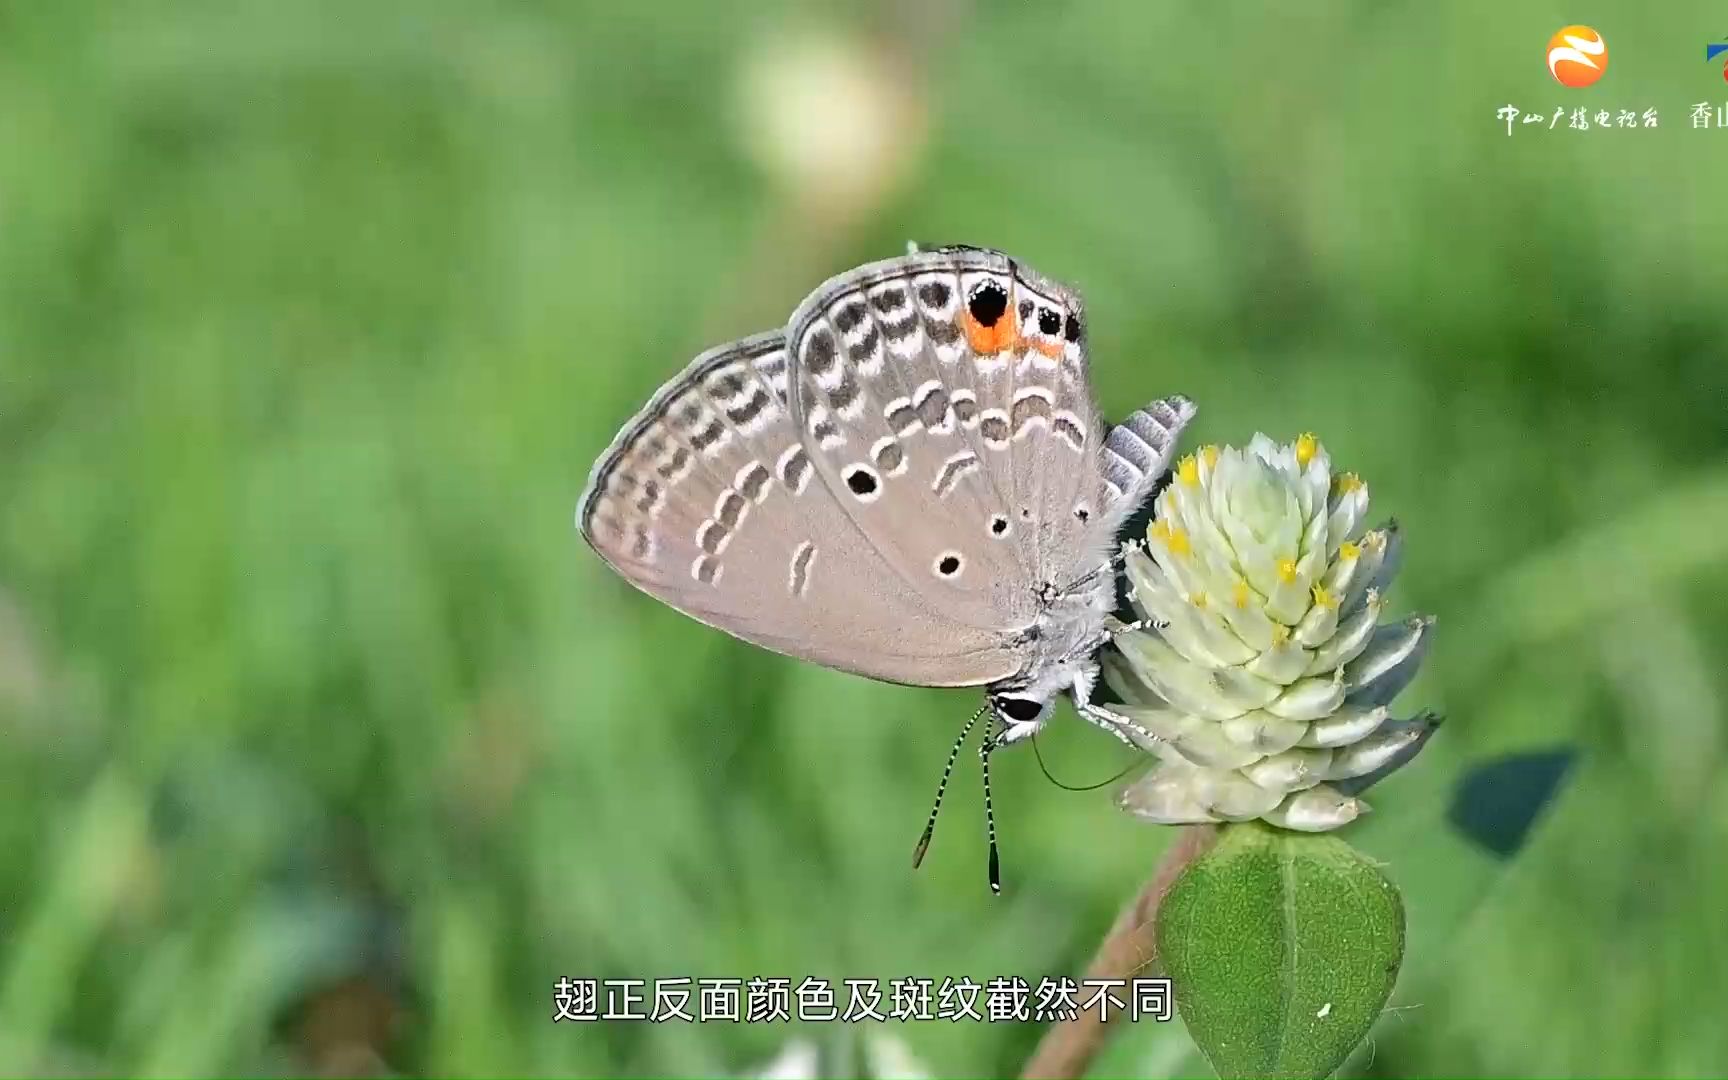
pixel 1113 722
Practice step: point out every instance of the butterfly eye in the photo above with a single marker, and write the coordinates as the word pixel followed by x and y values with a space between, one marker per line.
pixel 1020 710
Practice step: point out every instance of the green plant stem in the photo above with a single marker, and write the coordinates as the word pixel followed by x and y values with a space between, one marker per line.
pixel 1129 949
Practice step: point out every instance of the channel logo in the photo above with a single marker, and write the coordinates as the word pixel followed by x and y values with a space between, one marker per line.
pixel 1577 56
pixel 1713 53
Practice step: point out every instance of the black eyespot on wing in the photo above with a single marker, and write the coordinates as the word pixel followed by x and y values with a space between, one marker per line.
pixel 987 304
pixel 1049 322
pixel 934 294
pixel 998 525
pixel 861 482
pixel 1025 311
pixel 1071 329
pixel 1018 709
pixel 948 566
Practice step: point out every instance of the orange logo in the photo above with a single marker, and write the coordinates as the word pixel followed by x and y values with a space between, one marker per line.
pixel 1577 56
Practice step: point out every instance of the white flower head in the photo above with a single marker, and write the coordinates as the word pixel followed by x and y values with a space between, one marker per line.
pixel 1263 678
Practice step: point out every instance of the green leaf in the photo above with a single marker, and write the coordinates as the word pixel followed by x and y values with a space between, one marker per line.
pixel 1282 948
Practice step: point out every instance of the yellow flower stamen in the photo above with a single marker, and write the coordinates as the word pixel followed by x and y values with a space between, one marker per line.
pixel 1178 541
pixel 1286 570
pixel 1348 550
pixel 1280 634
pixel 1306 447
pixel 1324 598
pixel 1210 454
pixel 1347 483
pixel 1188 471
pixel 1239 595
pixel 1198 600
pixel 1159 532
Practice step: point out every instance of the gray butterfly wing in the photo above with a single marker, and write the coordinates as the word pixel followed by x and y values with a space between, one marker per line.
pixel 891 405
pixel 708 501
pixel 945 397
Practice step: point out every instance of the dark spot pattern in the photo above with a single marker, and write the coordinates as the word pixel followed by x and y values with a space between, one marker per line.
pixel 675 464
pixel 819 352
pixel 731 510
pixel 941 331
pixel 1071 328
pixel 749 409
pixel 953 469
pixel 865 348
pixel 847 316
pixel 901 329
pixel 801 566
pixel 842 396
pixel 988 302
pixel 994 428
pixel 1070 431
pixel 709 435
pixel 888 299
pixel 948 566
pixel 890 457
pixel 1032 405
pixel 934 294
pixel 1049 322
pixel 861 481
pixel 755 482
pixel 795 469
pixel 933 409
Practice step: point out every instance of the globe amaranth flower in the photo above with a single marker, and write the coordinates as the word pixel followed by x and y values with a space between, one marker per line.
pixel 1262 676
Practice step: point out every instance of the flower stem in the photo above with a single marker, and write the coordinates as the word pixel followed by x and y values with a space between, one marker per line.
pixel 1129 949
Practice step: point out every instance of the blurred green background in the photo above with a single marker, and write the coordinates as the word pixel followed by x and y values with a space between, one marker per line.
pixel 325 744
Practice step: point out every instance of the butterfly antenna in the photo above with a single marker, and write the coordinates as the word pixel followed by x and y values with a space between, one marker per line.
pixel 989 744
pixel 942 787
pixel 1039 754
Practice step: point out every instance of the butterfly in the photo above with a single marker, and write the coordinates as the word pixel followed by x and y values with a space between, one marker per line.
pixel 911 481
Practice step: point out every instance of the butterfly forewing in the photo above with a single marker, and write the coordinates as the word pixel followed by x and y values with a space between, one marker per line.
pixel 709 501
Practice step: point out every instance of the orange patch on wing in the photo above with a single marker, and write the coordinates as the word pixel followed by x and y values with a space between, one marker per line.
pixel 992 339
pixel 1052 349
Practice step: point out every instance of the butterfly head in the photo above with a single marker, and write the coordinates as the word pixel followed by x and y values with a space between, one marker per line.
pixel 1018 714
pixel 1023 705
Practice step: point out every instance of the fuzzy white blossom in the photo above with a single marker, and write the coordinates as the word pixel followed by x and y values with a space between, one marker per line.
pixel 1262 677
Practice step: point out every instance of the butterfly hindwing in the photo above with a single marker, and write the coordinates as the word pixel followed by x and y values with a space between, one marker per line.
pixel 883 393
pixel 983 380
